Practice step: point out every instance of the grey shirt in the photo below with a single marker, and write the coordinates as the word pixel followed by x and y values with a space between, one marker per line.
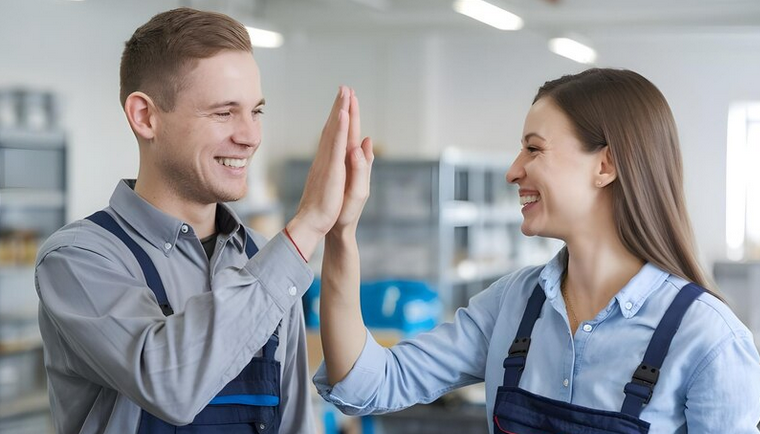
pixel 109 351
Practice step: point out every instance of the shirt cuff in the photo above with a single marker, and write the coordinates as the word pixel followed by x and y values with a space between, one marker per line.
pixel 353 394
pixel 281 271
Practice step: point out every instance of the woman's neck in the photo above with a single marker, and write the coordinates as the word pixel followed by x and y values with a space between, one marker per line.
pixel 598 268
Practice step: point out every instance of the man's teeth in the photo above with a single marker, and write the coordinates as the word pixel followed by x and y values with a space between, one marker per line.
pixel 232 162
pixel 524 200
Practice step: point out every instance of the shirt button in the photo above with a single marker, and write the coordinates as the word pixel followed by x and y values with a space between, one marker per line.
pixel 168 246
pixel 565 382
pixel 292 290
pixel 587 328
pixel 184 229
pixel 629 305
pixel 262 426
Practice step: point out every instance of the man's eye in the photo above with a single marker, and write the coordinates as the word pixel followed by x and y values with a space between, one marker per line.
pixel 223 114
pixel 531 149
pixel 258 112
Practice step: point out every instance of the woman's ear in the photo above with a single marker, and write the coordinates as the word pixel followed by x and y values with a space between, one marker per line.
pixel 141 114
pixel 607 170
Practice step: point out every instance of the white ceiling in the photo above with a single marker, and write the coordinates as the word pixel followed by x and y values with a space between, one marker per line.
pixel 666 16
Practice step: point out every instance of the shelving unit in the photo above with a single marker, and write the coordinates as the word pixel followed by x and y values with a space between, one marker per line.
pixel 32 206
pixel 453 222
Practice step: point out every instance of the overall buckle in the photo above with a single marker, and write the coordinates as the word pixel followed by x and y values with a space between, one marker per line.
pixel 519 347
pixel 646 376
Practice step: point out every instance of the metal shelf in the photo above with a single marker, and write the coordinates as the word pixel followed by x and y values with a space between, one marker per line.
pixel 31 198
pixel 464 213
pixel 20 346
pixel 28 139
pixel 472 271
pixel 16 270
pixel 34 402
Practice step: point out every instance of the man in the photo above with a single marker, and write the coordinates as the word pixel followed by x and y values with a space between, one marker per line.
pixel 163 311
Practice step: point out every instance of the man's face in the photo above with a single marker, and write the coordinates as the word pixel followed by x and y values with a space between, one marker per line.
pixel 203 146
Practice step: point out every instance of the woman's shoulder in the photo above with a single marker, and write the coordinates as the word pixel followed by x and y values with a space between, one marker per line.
pixel 517 284
pixel 709 312
pixel 710 326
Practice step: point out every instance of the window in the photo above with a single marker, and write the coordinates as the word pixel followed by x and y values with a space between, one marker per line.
pixel 743 182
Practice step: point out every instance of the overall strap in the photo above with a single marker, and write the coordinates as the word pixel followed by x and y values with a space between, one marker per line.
pixel 518 351
pixel 107 222
pixel 639 391
pixel 250 247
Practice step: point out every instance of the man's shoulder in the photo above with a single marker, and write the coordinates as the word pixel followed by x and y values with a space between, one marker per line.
pixel 80 234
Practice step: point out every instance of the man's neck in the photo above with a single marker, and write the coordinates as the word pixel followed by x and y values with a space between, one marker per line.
pixel 201 217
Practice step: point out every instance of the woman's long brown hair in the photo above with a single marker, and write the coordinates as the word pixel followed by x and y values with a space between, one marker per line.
pixel 625 111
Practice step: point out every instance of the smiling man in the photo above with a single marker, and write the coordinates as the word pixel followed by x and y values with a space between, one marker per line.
pixel 162 313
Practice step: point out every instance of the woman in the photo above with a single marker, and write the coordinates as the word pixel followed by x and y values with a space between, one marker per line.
pixel 589 342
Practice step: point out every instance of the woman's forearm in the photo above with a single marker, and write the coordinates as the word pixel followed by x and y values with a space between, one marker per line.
pixel 341 324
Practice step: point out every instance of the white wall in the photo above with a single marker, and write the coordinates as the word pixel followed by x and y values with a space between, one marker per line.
pixel 419 92
pixel 74 49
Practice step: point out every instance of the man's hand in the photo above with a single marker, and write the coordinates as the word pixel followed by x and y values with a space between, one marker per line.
pixel 322 197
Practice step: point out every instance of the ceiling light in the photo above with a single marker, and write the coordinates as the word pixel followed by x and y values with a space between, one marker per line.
pixel 573 50
pixel 264 38
pixel 489 14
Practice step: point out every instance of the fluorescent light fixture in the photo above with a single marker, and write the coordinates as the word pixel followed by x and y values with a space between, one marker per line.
pixel 264 38
pixel 572 49
pixel 487 13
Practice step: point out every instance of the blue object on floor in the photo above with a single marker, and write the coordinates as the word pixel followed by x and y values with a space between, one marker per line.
pixel 410 306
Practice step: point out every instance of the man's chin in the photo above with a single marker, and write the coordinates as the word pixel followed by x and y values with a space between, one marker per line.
pixel 231 196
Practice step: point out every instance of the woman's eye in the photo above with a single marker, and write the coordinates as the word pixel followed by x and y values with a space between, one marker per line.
pixel 531 149
pixel 224 114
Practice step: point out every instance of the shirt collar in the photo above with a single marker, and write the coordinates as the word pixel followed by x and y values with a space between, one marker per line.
pixel 161 229
pixel 630 298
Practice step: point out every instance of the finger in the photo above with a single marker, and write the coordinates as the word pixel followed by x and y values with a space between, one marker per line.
pixel 356 184
pixel 340 139
pixel 354 128
pixel 368 150
pixel 369 156
pixel 342 102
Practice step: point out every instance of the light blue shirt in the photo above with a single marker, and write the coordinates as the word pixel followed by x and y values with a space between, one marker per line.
pixel 709 383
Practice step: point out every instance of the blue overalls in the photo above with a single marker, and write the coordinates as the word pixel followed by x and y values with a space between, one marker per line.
pixel 517 411
pixel 249 404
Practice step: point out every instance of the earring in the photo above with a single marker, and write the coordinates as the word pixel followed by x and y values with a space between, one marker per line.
pixel 598 183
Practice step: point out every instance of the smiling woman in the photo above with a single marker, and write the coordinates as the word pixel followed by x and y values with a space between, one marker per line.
pixel 617 334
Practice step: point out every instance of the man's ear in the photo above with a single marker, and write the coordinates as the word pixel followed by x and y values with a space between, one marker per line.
pixel 607 170
pixel 141 114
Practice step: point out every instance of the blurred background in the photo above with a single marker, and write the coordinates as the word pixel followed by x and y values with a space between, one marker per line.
pixel 443 95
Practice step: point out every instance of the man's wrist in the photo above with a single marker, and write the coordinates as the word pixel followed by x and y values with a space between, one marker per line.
pixel 304 237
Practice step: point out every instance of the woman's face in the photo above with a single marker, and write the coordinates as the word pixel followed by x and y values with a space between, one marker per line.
pixel 557 179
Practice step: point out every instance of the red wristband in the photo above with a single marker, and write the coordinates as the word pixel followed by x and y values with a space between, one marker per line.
pixel 287 234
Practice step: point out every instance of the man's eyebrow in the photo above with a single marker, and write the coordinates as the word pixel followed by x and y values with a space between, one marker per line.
pixel 232 104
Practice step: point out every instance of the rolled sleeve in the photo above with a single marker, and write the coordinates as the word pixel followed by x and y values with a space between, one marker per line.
pixel 353 394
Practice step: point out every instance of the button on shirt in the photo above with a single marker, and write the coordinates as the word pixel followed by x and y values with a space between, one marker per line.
pixel 109 350
pixel 709 383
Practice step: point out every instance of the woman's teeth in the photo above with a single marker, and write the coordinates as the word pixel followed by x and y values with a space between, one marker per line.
pixel 524 200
